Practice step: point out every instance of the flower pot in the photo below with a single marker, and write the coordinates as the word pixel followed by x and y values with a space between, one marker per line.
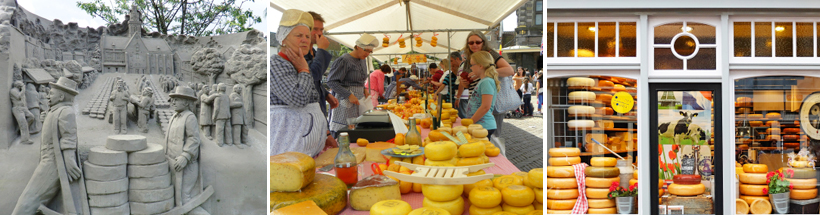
pixel 780 202
pixel 624 204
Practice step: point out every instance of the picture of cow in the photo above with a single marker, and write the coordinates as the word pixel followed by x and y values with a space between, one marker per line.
pixel 682 129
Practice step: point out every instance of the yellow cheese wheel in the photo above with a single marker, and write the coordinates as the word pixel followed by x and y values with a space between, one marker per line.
pixel 602 172
pixel 551 212
pixel 517 210
pixel 429 210
pixel 753 178
pixel 391 207
pixel 484 211
pixel 581 109
pixel 753 189
pixel 470 161
pixel 518 195
pixel 803 183
pixel 803 194
pixel 581 124
pixel 687 189
pixel 329 193
pixel 635 174
pixel 564 161
pixel 601 182
pixel 738 170
pixel 603 161
pixel 633 181
pixel 442 193
pixel 473 149
pixel 755 168
pixel 440 151
pixel 485 197
pixel 455 206
pixel 539 195
pixel 799 164
pixel 469 187
pixel 760 207
pixel 450 162
pixel 601 203
pixel 507 180
pixel 741 207
pixel 660 183
pixel 597 193
pixel 564 152
pixel 560 172
pixel 581 96
pixel 561 183
pixel 536 177
pixel 750 199
pixel 611 210
pixel 580 82
pixel 561 204
pixel 539 207
pixel 562 193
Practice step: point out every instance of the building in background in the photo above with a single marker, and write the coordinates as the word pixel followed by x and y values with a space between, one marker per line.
pixel 523 47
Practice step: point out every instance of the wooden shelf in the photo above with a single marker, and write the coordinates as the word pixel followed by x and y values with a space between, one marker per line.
pixel 602 129
pixel 605 153
pixel 632 92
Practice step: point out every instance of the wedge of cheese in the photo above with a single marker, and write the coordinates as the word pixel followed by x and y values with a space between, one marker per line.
pixel 291 171
pixel 306 207
pixel 373 189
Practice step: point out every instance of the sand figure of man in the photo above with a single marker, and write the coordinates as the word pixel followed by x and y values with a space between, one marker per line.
pixel 182 148
pixel 33 105
pixel 144 106
pixel 43 102
pixel 240 131
pixel 119 101
pixel 21 113
pixel 205 111
pixel 222 116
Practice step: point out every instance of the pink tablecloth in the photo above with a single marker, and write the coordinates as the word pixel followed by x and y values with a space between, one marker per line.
pixel 502 166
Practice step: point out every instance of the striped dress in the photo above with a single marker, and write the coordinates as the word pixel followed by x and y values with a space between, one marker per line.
pixel 297 123
pixel 347 76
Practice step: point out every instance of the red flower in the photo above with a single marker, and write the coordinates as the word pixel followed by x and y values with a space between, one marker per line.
pixel 779 174
pixel 671 167
pixel 766 190
pixel 769 175
pixel 633 186
pixel 613 187
pixel 672 155
pixel 791 173
pixel 791 186
pixel 768 180
pixel 675 148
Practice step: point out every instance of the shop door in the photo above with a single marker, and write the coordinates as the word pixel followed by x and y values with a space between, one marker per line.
pixel 687 119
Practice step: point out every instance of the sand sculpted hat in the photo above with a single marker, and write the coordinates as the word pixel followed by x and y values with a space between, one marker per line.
pixel 290 19
pixel 66 85
pixel 183 92
pixel 367 41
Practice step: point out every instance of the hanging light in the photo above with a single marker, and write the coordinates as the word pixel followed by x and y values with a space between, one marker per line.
pixel 686 29
pixel 779 28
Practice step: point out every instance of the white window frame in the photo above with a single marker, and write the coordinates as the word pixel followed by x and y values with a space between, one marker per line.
pixel 563 61
pixel 684 74
pixel 793 61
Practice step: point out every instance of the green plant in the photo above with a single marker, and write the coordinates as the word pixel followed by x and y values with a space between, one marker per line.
pixel 777 182
pixel 616 191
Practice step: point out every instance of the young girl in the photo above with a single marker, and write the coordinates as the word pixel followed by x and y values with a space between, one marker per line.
pixel 482 99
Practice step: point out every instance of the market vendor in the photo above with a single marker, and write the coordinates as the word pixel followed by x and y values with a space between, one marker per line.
pixel 296 118
pixel 346 79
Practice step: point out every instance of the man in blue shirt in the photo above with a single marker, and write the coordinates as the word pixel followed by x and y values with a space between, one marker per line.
pixel 319 60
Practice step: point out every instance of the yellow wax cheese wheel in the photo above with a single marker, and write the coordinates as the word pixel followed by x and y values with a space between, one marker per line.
pixel 473 149
pixel 611 210
pixel 536 177
pixel 539 207
pixel 601 203
pixel 753 189
pixel 440 151
pixel 485 197
pixel 687 189
pixel 739 170
pixel 561 204
pixel 603 162
pixel 450 162
pixel 516 209
pixel 442 193
pixel 564 161
pixel 601 182
pixel 429 210
pixel 506 180
pixel 741 207
pixel 633 181
pixel 484 211
pixel 660 183
pixel 580 82
pixel 752 178
pixel 581 123
pixel 469 187
pixel 548 212
pixel 581 109
pixel 470 161
pixel 561 183
pixel 803 183
pixel 565 152
pixel 455 206
pixel 560 172
pixel 539 195
pixel 602 172
pixel 755 168
pixel 750 199
pixel 760 207
pixel 635 174
pixel 391 207
pixel 562 193
pixel 518 195
pixel 660 192
pixel 597 193
pixel 803 194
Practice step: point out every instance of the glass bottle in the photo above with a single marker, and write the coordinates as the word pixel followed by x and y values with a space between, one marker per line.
pixel 345 162
pixel 413 137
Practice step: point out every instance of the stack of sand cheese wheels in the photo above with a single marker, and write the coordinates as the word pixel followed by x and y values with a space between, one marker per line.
pixel 752 183
pixel 150 190
pixel 599 177
pixel 562 187
pixel 105 180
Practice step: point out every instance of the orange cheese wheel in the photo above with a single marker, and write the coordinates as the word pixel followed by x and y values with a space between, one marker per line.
pixel 752 178
pixel 562 193
pixel 603 162
pixel 601 203
pixel 633 181
pixel 791 144
pixel 791 137
pixel 775 131
pixel 556 212
pixel 601 182
pixel 741 207
pixel 760 207
pixel 756 116
pixel 750 199
pixel 803 183
pixel 660 192
pixel 686 189
pixel 773 124
pixel 560 172
pixel 791 130
pixel 597 193
pixel 565 152
pixel 773 115
pixel 611 210
pixel 660 183
pixel 635 174
pixel 803 194
pixel 605 83
pixel 755 168
pixel 773 137
pixel 743 110
pixel 564 161
pixel 753 189
pixel 561 183
pixel 755 123
pixel 561 204
pixel 618 88
pixel 605 98
pixel 604 110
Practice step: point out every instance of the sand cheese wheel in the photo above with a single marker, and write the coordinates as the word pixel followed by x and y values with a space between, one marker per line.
pixel 580 82
pixel 560 172
pixel 760 207
pixel 752 178
pixel 686 189
pixel 564 161
pixel 803 194
pixel 601 203
pixel 561 204
pixel 741 207
pixel 565 152
pixel 602 172
pixel 561 183
pixel 810 183
pixel 753 189
pixel 581 123
pixel 562 193
pixel 603 162
pixel 601 182
pixel 801 173
pixel 581 96
pixel 686 179
pixel 755 168
pixel 581 109
pixel 611 210
pixel 750 199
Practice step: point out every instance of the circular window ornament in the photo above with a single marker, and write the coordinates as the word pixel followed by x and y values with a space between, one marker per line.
pixel 685 46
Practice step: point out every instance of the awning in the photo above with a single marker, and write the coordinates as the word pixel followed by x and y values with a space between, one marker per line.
pixel 520 49
pixel 88 69
pixel 39 76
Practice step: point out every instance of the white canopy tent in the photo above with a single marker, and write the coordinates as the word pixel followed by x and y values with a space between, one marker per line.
pixel 345 21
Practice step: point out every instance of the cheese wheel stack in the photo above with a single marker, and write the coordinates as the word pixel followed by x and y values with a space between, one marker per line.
pixel 804 181
pixel 106 181
pixel 599 177
pixel 561 186
pixel 752 181
pixel 447 197
pixel 151 190
pixel 686 185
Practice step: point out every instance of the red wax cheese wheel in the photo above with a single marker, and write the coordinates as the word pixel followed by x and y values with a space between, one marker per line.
pixel 562 193
pixel 803 183
pixel 686 179
pixel 773 115
pixel 564 161
pixel 750 199
pixel 601 203
pixel 562 183
pixel 597 193
pixel 791 145
pixel 791 130
pixel 753 189
pixel 803 194
pixel 560 172
pixel 752 178
pixel 611 210
pixel 791 137
pixel 755 168
pixel 800 173
pixel 602 172
pixel 605 83
pixel 601 182
pixel 773 124
pixel 565 152
pixel 755 123
pixel 603 162
pixel 604 111
pixel 561 204
pixel 686 189
pixel 775 131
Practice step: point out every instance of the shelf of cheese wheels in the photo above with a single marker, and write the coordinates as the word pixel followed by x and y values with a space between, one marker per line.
pixel 562 185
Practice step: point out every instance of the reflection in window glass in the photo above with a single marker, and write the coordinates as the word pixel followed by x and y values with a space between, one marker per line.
pixel 606 39
pixel 805 39
pixel 550 39
pixel 704 60
pixel 586 39
pixel 743 39
pixel 664 60
pixel 627 42
pixel 538 19
pixel 664 33
pixel 763 39
pixel 538 6
pixel 783 38
pixel 566 39
pixel 704 32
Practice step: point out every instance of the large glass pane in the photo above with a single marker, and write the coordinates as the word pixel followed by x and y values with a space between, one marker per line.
pixel 566 39
pixel 783 32
pixel 743 39
pixel 586 39
pixel 704 60
pixel 664 33
pixel 628 43
pixel 704 32
pixel 763 39
pixel 550 39
pixel 606 39
pixel 665 60
pixel 805 39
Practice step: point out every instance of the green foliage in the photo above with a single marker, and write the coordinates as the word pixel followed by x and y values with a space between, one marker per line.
pixel 196 18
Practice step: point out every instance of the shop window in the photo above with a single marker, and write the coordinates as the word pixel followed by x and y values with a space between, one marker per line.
pixel 592 39
pixel 685 46
pixel 778 39
pixel 538 6
pixel 566 39
pixel 550 39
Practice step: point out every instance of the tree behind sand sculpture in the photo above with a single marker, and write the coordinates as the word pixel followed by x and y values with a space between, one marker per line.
pixel 248 67
pixel 208 62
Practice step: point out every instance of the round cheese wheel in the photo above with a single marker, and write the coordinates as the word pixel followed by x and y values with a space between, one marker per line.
pixel 560 172
pixel 810 183
pixel 605 83
pixel 611 210
pixel 456 206
pixel 633 181
pixel 518 195
pixel 755 116
pixel 429 210
pixel 755 123
pixel 743 110
pixel 552 212
pixel 803 194
pixel 602 172
pixel 485 197
pixel 618 88
pixel 601 182
pixel 775 131
pixel 581 124
pixel 517 209
pixel 601 203
pixel 686 179
pixel 562 193
pixel 605 98
pixel 750 199
pixel 564 161
pixel 535 177
pixel 604 111
pixel 581 96
pixel 773 115
pixel 442 193
pixel 686 189
pixel 753 189
pixel 580 82
pixel 603 162
pixel 597 193
pixel 791 130
pixel 752 178
pixel 799 164
pixel 660 192
pixel 773 137
pixel 635 174
pixel 791 137
pixel 482 211
pixel 801 173
pixel 791 145
pixel 391 207
pixel 755 168
pixel 760 207
pixel 773 124
pixel 741 207
pixel 660 183
pixel 581 109
pixel 561 183
pixel 743 147
pixel 564 152
pixel 561 204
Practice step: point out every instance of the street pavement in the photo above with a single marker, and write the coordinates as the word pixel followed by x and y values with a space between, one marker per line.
pixel 524 138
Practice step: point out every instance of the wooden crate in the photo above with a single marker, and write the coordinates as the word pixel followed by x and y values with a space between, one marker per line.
pixel 700 204
pixel 809 206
